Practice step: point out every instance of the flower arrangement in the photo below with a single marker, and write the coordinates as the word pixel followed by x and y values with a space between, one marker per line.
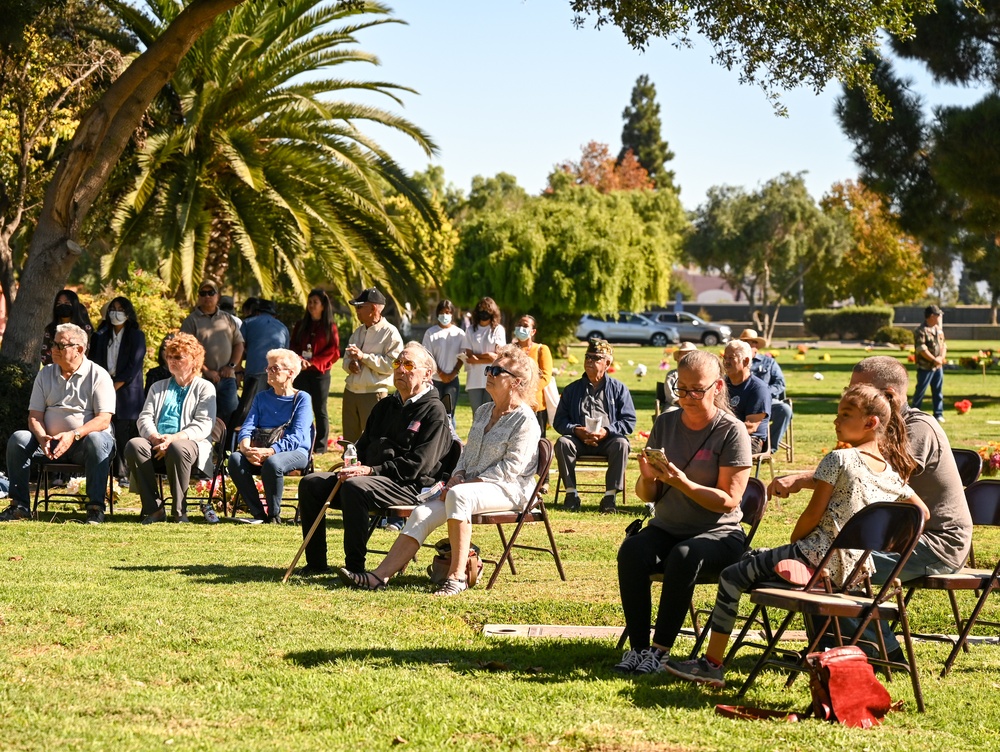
pixel 963 406
pixel 78 487
pixel 991 458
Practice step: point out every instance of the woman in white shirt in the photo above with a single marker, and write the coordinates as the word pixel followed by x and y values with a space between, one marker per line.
pixel 445 341
pixel 482 340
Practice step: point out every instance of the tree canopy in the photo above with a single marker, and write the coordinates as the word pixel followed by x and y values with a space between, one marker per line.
pixel 571 251
pixel 777 46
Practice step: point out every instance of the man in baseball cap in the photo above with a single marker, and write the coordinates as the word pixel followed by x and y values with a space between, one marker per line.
pixel 930 350
pixel 368 361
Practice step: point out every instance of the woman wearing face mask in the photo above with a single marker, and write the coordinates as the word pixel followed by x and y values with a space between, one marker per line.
pixel 524 337
pixel 445 341
pixel 482 340
pixel 66 309
pixel 119 346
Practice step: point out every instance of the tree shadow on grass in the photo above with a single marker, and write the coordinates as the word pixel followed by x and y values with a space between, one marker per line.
pixel 537 661
pixel 217 574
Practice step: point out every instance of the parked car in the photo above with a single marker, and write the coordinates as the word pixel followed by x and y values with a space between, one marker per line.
pixel 691 328
pixel 627 327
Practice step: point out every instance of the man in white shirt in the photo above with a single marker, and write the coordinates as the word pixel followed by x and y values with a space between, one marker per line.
pixel 69 417
pixel 368 361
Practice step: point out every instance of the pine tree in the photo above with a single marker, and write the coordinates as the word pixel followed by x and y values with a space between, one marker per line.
pixel 642 134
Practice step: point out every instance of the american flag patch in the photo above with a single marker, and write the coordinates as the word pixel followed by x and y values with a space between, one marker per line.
pixel 414 426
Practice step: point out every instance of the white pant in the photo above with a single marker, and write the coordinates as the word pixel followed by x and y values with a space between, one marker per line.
pixel 462 501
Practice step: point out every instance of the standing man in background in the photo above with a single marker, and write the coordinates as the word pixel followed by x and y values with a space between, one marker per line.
pixel 368 361
pixel 930 351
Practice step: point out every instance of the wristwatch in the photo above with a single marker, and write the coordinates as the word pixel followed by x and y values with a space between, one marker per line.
pixel 76 435
pixel 230 365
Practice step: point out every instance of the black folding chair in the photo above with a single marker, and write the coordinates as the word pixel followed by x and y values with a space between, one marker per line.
pixel 893 527
pixel 46 468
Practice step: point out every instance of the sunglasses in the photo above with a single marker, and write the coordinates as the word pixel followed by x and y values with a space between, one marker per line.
pixel 593 358
pixel 206 293
pixel 495 371
pixel 276 369
pixel 65 345
pixel 406 365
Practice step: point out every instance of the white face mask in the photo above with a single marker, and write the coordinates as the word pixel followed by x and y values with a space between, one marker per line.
pixel 444 319
pixel 522 333
pixel 117 317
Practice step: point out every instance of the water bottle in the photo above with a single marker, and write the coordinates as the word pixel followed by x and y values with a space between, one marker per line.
pixel 307 354
pixel 350 455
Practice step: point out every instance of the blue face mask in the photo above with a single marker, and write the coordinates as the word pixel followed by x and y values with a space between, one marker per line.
pixel 444 319
pixel 522 333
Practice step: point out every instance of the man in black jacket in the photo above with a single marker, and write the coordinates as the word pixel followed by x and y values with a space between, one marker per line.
pixel 401 451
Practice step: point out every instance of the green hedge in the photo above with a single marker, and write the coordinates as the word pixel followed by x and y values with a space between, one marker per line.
pixel 851 322
pixel 895 335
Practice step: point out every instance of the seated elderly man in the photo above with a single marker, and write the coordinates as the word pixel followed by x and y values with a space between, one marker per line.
pixel 749 397
pixel 766 368
pixel 400 452
pixel 69 418
pixel 595 417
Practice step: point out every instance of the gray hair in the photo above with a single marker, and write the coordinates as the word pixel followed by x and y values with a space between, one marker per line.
pixel 422 357
pixel 286 359
pixel 523 367
pixel 76 333
pixel 709 364
pixel 742 348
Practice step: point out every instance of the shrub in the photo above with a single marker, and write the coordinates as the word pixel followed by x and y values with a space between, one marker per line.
pixel 851 322
pixel 17 380
pixel 819 322
pixel 157 311
pixel 895 335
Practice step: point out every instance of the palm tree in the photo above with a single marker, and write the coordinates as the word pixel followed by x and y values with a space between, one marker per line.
pixel 248 154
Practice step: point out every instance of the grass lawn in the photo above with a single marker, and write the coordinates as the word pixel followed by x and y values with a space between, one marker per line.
pixel 181 637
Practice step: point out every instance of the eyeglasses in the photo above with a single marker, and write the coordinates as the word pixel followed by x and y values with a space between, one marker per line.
pixel 496 370
pixel 65 345
pixel 406 365
pixel 732 361
pixel 692 393
pixel 276 369
pixel 207 293
pixel 593 358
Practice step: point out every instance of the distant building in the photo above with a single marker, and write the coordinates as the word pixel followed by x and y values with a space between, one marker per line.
pixel 708 288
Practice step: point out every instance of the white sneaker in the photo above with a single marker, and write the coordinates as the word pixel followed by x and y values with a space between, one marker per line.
pixel 939 418
pixel 629 662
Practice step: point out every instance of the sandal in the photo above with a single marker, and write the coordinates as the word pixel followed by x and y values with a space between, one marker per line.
pixel 452 587
pixel 360 580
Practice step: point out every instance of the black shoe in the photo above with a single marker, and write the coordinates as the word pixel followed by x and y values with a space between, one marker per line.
pixel 181 518
pixel 95 515
pixel 311 570
pixel 160 515
pixel 608 505
pixel 572 502
pixel 15 512
pixel 273 521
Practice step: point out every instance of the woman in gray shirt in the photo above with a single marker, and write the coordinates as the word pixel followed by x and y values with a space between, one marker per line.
pixel 695 530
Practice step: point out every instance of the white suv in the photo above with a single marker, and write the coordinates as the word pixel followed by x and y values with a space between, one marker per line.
pixel 691 328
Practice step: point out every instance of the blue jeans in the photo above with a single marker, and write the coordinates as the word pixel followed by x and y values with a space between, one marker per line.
pixel 93 451
pixel 226 399
pixel 781 416
pixel 272 472
pixel 451 388
pixel 935 380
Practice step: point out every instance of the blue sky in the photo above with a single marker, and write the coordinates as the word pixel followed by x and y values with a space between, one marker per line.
pixel 512 86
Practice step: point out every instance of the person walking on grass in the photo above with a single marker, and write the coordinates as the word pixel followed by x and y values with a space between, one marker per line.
pixel 873 469
pixel 930 350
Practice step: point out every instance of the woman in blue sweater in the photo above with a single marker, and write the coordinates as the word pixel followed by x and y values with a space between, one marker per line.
pixel 280 406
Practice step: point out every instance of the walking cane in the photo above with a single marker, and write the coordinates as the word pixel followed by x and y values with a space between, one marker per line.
pixel 320 518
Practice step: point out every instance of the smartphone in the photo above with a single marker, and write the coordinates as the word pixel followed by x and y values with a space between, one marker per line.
pixel 655 454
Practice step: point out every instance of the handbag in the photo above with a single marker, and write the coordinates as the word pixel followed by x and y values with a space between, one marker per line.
pixel 263 438
pixel 437 570
pixel 845 690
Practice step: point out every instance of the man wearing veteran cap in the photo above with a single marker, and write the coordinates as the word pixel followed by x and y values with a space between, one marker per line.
pixel 766 368
pixel 368 361
pixel 930 350
pixel 595 416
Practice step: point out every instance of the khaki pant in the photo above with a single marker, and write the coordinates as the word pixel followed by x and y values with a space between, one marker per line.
pixel 357 408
